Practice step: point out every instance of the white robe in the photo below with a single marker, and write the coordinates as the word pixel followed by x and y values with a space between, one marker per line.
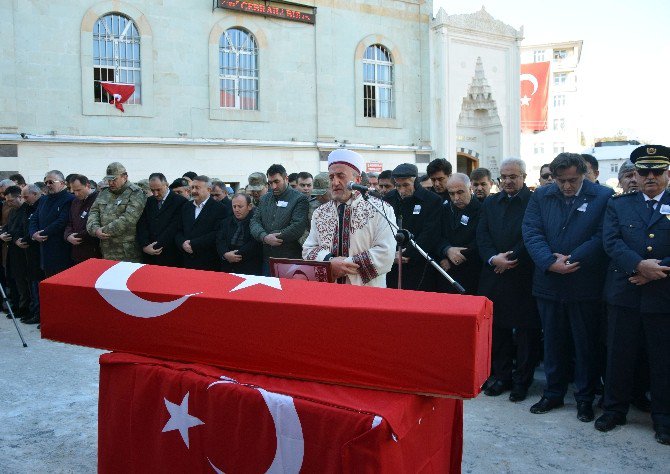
pixel 371 242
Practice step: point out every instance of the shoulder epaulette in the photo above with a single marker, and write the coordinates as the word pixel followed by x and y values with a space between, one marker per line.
pixel 629 193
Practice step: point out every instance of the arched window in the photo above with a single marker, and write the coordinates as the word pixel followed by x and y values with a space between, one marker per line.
pixel 378 100
pixel 238 70
pixel 116 55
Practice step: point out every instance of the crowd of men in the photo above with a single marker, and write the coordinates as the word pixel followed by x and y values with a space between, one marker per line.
pixel 577 274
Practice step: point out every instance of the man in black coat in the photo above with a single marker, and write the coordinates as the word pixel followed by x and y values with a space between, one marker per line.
pixel 239 251
pixel 31 195
pixel 159 222
pixel 200 221
pixel 418 211
pixel 507 280
pixel 457 250
pixel 16 251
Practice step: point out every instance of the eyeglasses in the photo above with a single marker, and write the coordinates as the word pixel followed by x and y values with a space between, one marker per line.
pixel 656 171
pixel 545 176
pixel 52 181
pixel 511 177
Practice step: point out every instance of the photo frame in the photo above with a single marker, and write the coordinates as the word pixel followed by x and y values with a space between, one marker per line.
pixel 297 269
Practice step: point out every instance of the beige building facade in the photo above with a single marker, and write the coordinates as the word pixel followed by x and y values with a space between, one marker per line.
pixel 226 92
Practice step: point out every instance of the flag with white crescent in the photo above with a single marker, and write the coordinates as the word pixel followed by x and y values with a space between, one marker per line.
pixel 119 93
pixel 162 416
pixel 534 96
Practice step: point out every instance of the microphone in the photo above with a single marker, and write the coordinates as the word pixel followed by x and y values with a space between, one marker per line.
pixel 364 189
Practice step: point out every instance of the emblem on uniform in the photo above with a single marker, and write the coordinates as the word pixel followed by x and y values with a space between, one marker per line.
pixel 651 151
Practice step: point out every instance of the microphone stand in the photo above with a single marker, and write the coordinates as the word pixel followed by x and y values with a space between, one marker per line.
pixel 403 235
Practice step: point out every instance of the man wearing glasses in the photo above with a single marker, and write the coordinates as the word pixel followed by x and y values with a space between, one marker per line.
pixel 562 230
pixel 47 224
pixel 114 214
pixel 636 234
pixel 545 175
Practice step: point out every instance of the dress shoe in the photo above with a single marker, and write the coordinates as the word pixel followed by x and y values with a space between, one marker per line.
pixel 33 320
pixel 585 412
pixel 642 403
pixel 663 435
pixel 497 388
pixel 489 381
pixel 518 393
pixel 545 405
pixel 609 421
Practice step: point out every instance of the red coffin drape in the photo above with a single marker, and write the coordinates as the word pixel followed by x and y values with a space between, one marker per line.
pixel 381 338
pixel 160 416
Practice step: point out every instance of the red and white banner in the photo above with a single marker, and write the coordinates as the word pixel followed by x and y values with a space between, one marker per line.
pixel 534 96
pixel 120 93
pixel 395 340
pixel 161 416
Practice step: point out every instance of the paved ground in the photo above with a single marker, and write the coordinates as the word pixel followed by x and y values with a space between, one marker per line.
pixel 48 421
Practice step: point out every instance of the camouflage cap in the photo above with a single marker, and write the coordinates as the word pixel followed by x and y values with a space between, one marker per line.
pixel 257 181
pixel 321 184
pixel 114 170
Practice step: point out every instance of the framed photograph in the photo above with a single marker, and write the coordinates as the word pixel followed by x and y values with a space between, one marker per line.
pixel 296 269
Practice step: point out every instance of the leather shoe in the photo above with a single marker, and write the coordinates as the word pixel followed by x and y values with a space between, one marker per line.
pixel 33 320
pixel 497 388
pixel 642 403
pixel 518 393
pixel 545 405
pixel 609 421
pixel 663 435
pixel 489 381
pixel 585 412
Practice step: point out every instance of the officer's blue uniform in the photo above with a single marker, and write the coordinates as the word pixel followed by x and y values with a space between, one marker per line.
pixel 637 315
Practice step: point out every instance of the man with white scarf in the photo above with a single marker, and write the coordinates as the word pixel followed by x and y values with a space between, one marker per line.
pixel 348 231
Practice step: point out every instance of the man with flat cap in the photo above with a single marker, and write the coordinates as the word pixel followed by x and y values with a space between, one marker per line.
pixel 114 214
pixel 636 235
pixel 347 231
pixel 419 211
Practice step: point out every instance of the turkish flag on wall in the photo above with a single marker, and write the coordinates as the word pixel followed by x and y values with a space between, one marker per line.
pixel 534 96
pixel 162 416
pixel 120 93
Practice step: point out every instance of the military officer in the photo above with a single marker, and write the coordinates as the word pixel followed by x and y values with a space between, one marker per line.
pixel 636 235
pixel 114 214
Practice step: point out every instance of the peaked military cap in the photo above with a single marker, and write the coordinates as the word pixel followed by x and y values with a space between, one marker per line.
pixel 651 157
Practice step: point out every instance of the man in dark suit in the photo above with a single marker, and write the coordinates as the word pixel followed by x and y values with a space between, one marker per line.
pixel 417 210
pixel 199 223
pixel 636 235
pixel 457 250
pixel 506 279
pixel 239 251
pixel 562 230
pixel 159 222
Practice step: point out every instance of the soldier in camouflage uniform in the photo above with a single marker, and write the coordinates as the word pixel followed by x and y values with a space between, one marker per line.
pixel 114 215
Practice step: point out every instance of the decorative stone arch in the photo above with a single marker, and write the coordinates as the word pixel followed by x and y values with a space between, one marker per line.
pixel 216 112
pixel 89 106
pixel 398 72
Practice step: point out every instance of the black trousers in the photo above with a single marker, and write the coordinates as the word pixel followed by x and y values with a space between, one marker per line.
pixel 628 330
pixel 504 354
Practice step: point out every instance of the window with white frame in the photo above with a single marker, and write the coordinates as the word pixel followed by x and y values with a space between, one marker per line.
pixel 116 56
pixel 538 56
pixel 559 148
pixel 559 124
pixel 560 78
pixel 559 100
pixel 378 100
pixel 560 54
pixel 238 70
pixel 538 148
pixel 614 167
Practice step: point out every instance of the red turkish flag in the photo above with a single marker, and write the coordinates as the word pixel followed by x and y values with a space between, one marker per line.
pixel 120 93
pixel 162 416
pixel 534 94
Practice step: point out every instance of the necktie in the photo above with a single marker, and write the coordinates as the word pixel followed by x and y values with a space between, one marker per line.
pixel 160 204
pixel 650 205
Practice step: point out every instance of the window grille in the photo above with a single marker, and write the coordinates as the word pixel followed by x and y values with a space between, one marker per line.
pixel 378 100
pixel 116 56
pixel 238 70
